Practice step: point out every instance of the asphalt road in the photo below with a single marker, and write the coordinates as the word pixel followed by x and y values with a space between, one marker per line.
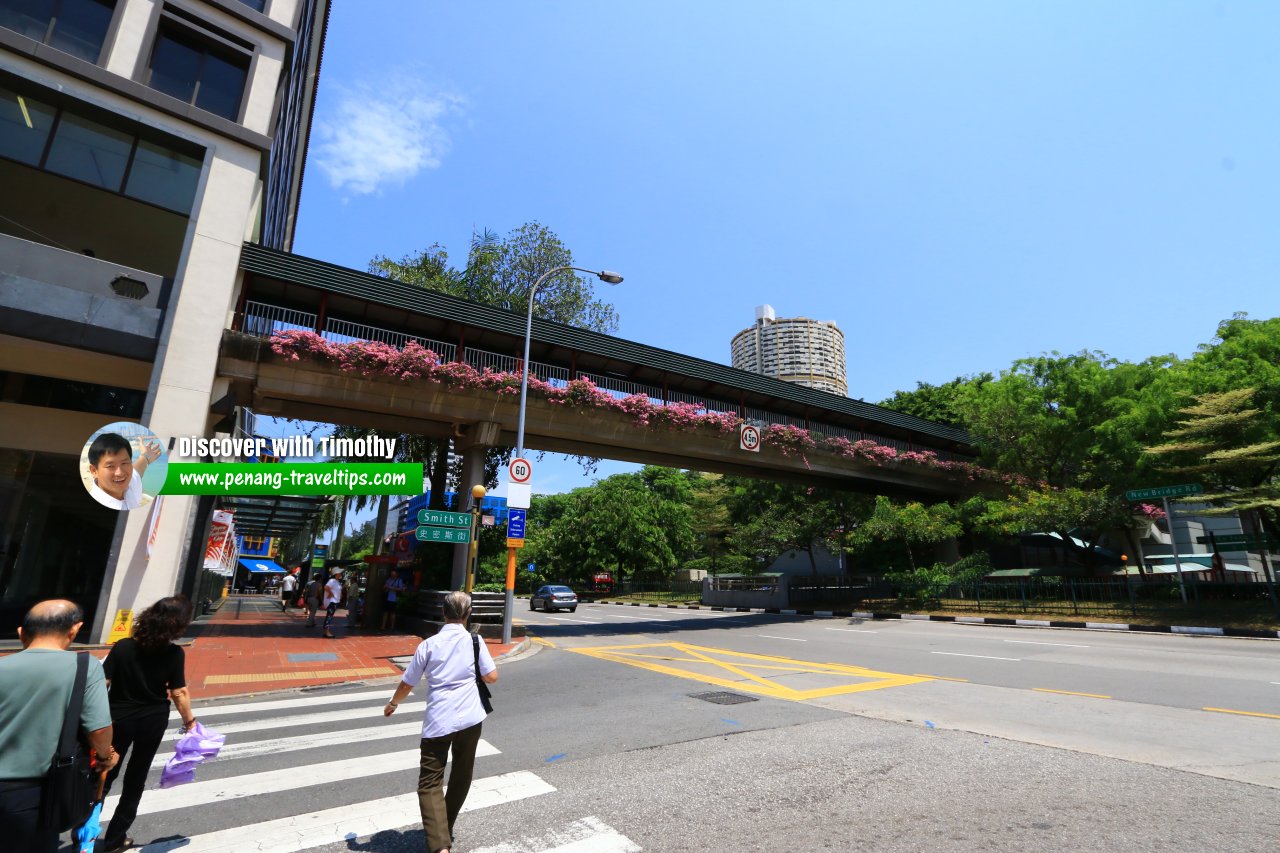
pixel 839 740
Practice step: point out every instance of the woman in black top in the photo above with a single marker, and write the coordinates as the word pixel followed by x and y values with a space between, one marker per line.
pixel 144 672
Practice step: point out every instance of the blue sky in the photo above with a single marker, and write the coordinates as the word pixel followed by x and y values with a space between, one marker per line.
pixel 957 185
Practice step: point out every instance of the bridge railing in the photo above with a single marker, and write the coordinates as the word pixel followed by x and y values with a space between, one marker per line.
pixel 264 320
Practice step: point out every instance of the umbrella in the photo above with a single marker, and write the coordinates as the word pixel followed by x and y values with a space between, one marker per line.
pixel 192 749
pixel 87 833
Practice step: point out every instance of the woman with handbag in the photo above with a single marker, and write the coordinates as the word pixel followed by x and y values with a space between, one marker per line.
pixel 144 672
pixel 456 666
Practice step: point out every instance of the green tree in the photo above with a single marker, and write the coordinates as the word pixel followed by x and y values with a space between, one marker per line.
pixel 936 403
pixel 911 524
pixel 1226 443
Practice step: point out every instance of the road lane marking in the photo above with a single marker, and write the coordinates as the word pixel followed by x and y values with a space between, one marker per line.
pixel 301 700
pixel 589 835
pixel 746 672
pixel 943 678
pixel 307 720
pixel 1243 713
pixel 410 731
pixel 961 655
pixel 270 781
pixel 342 824
pixel 543 642
pixel 853 630
pixel 772 637
pixel 1035 643
pixel 642 618
pixel 1070 693
pixel 573 619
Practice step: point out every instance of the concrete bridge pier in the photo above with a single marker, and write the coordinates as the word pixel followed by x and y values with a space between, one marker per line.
pixel 474 440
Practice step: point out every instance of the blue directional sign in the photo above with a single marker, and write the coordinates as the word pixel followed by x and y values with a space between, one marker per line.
pixel 531 567
pixel 515 524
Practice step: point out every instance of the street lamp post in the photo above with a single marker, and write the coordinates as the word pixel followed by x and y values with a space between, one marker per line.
pixel 608 277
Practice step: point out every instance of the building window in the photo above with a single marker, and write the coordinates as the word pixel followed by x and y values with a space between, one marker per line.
pixel 200 68
pixel 256 5
pixel 77 27
pixel 24 127
pixel 68 142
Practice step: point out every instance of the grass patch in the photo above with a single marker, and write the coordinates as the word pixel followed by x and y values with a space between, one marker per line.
pixel 1252 615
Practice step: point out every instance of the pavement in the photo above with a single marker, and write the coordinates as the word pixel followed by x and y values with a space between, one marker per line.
pixel 250 646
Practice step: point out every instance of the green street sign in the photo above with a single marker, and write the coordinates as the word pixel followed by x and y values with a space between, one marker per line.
pixel 1164 492
pixel 442 518
pixel 442 534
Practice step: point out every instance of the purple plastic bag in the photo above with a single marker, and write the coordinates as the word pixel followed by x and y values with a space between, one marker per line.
pixel 193 748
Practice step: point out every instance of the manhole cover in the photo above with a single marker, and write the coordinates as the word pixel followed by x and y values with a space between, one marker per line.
pixel 722 698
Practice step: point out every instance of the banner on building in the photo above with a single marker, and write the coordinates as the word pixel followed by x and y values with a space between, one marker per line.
pixel 217 550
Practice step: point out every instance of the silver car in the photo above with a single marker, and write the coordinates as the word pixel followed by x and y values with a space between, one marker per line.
pixel 553 597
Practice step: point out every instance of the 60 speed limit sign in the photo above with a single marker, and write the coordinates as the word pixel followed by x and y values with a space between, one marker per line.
pixel 521 470
pixel 749 438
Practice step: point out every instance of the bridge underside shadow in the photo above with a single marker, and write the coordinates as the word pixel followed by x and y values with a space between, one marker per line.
pixel 274 385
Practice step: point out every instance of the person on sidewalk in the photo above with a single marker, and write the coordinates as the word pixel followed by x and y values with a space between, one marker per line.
pixel 311 595
pixel 287 587
pixel 453 717
pixel 35 685
pixel 332 595
pixel 144 672
pixel 393 586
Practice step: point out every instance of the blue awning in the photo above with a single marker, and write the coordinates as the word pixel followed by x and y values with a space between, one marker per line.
pixel 259 564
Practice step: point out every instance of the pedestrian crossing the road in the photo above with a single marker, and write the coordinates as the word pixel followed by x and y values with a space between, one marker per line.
pixel 321 769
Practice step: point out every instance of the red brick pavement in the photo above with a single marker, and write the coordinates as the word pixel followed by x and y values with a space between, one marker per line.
pixel 250 646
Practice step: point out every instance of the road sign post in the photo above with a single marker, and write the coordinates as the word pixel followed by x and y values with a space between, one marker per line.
pixel 515 541
pixel 1163 493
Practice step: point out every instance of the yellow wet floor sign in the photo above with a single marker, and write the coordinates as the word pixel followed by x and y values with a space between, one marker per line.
pixel 122 625
pixel 765 675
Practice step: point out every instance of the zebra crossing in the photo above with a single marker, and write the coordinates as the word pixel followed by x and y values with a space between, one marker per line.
pixel 319 769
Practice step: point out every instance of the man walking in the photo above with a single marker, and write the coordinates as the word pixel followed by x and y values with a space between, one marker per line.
pixel 287 586
pixel 332 595
pixel 311 595
pixel 35 685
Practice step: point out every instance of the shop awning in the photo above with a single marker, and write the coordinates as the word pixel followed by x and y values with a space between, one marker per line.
pixel 257 564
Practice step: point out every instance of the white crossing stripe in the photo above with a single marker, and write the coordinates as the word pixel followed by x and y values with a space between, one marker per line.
pixel 571 619
pixel 301 700
pixel 287 778
pixel 589 835
pixel 625 616
pixel 325 739
pixel 301 832
pixel 306 720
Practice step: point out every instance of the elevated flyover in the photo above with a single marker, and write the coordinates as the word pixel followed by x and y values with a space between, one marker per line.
pixel 281 291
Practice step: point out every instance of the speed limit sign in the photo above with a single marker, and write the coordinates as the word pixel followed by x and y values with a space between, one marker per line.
pixel 521 470
pixel 749 438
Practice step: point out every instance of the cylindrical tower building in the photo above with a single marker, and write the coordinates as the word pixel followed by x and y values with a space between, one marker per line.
pixel 807 352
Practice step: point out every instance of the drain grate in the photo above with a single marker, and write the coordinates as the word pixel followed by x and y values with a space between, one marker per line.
pixel 722 698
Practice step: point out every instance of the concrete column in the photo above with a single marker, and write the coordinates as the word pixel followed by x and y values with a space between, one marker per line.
pixel 475 442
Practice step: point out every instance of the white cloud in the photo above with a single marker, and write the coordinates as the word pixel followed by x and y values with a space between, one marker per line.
pixel 375 137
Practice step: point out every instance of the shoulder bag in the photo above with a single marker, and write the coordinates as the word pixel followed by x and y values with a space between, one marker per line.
pixel 67 796
pixel 480 685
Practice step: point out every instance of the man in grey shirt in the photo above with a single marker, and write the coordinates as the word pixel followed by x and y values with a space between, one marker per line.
pixel 35 685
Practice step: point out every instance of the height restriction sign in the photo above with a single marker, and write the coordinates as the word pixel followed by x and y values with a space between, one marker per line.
pixel 521 470
pixel 749 438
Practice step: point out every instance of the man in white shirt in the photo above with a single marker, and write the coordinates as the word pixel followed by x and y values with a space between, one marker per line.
pixel 332 596
pixel 117 479
pixel 287 586
pixel 452 661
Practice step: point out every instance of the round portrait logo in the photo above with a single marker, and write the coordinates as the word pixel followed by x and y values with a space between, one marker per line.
pixel 123 465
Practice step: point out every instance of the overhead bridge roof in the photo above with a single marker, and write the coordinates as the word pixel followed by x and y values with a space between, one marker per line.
pixel 636 361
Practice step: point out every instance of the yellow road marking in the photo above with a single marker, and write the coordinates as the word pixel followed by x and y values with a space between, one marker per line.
pixel 242 678
pixel 748 669
pixel 542 642
pixel 1070 693
pixel 942 678
pixel 1243 713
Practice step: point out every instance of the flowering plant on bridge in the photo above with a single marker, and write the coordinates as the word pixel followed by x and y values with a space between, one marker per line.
pixel 373 359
